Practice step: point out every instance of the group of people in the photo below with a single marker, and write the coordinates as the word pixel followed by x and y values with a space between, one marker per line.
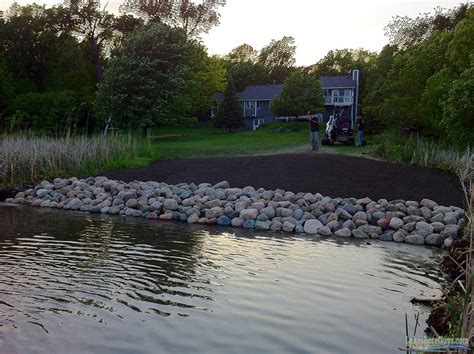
pixel 314 131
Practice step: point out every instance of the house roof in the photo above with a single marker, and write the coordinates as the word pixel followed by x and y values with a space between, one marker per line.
pixel 255 92
pixel 268 92
pixel 337 81
pixel 261 92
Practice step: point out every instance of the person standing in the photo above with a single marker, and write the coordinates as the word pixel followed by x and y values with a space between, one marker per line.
pixel 314 131
pixel 359 128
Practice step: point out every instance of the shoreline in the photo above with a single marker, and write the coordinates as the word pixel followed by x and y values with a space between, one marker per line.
pixel 411 222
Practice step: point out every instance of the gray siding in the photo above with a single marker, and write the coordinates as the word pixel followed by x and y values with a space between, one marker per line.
pixel 262 112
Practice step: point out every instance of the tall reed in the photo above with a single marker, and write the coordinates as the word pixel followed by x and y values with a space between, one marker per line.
pixel 29 159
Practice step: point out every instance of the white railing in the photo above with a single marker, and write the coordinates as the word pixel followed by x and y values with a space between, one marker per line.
pixel 339 100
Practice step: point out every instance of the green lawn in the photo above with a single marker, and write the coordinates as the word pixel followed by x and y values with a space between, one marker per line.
pixel 207 141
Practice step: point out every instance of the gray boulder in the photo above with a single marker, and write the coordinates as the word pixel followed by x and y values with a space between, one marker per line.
pixel 223 220
pixel 312 226
pixel 276 226
pixel 262 225
pixel 288 226
pixel 396 223
pixel 345 232
pixel 249 224
pixel 415 239
pixel 248 214
pixel 325 231
pixel 74 204
pixel 214 212
pixel 359 234
pixel 360 215
pixel 399 236
pixel 268 211
pixel 387 235
pixel 428 203
pixel 451 231
pixel 170 204
pixel 437 227
pixel 434 240
pixel 237 222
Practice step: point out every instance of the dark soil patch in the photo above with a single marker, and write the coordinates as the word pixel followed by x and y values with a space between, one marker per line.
pixel 332 175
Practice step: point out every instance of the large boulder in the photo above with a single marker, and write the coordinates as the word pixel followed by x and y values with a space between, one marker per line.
pixel 312 226
pixel 268 211
pixel 396 223
pixel 428 203
pixel 214 212
pixel 248 214
pixel 434 240
pixel 288 226
pixel 325 231
pixel 170 204
pixel 359 234
pixel 344 232
pixel 223 220
pixel 262 225
pixel 415 239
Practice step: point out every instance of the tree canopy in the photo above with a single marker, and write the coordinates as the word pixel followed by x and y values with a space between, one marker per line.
pixel 229 114
pixel 301 93
pixel 194 18
pixel 158 76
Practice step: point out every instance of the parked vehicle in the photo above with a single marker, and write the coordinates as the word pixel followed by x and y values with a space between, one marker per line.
pixel 338 130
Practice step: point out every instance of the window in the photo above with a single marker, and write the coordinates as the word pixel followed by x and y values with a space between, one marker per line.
pixel 257 103
pixel 249 104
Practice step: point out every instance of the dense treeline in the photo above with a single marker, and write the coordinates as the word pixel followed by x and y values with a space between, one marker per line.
pixel 424 79
pixel 76 67
pixel 72 68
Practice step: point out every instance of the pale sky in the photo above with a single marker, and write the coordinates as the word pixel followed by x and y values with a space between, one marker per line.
pixel 317 26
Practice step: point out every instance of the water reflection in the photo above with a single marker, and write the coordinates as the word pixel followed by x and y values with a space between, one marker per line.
pixel 72 282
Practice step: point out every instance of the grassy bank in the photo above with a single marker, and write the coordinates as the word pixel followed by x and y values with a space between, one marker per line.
pixel 426 152
pixel 206 141
pixel 26 160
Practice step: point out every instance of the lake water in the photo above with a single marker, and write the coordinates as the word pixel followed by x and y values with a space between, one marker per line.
pixel 81 283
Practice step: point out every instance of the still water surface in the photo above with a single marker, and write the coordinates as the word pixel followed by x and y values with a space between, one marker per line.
pixel 79 283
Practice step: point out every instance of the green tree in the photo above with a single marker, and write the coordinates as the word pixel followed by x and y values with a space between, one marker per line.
pixel 374 88
pixel 458 119
pixel 209 75
pixel 6 93
pixel 151 82
pixel 246 73
pixel 301 93
pixel 229 114
pixel 404 31
pixel 279 57
pixel 194 18
pixel 96 25
pixel 243 53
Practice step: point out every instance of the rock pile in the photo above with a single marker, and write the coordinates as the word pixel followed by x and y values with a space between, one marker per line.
pixel 413 222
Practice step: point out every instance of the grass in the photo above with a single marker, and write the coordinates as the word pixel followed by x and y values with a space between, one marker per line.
pixel 26 160
pixel 426 152
pixel 207 141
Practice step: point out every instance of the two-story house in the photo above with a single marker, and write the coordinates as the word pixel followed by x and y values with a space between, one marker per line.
pixel 340 95
pixel 255 102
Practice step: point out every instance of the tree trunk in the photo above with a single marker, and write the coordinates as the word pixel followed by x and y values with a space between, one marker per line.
pixel 96 59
